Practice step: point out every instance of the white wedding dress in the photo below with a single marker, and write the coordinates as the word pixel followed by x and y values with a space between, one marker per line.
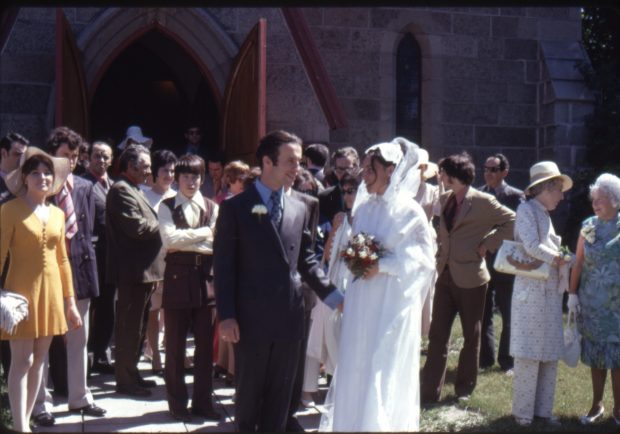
pixel 376 383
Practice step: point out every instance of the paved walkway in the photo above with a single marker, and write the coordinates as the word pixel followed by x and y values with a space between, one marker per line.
pixel 127 414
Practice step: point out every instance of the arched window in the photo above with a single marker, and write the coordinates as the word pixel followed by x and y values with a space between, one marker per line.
pixel 408 89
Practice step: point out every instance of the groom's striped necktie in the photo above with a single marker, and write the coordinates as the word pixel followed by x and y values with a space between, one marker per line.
pixel 65 203
pixel 276 208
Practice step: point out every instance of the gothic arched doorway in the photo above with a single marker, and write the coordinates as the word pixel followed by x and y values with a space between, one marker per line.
pixel 156 84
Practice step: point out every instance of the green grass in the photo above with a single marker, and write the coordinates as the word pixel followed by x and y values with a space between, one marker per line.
pixel 489 408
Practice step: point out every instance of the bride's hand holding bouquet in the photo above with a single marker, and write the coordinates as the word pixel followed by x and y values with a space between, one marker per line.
pixel 362 255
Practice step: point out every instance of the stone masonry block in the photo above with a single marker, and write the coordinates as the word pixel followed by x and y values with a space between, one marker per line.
pixel 332 38
pixel 458 135
pixel 350 63
pixel 490 92
pixel 562 49
pixel 346 17
pixel 288 78
pixel 479 114
pixel 519 12
pixel 24 98
pixel 281 49
pixel 464 68
pixel 33 68
pixel 521 115
pixel 38 14
pixel 248 17
pixel 485 11
pixel 383 17
pixel 366 40
pixel 459 91
pixel 87 15
pixel 361 109
pixel 437 22
pixel 522 93
pixel 343 84
pixel 527 28
pixel 579 113
pixel 30 126
pixel 504 27
pixel 458 46
pixel 505 136
pixel 508 70
pixel 473 25
pixel 314 16
pixel 490 48
pixel 532 71
pixel 31 37
pixel 521 49
pixel 547 12
pixel 559 30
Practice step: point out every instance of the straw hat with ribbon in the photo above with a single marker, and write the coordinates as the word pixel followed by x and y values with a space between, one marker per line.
pixel 15 181
pixel 545 170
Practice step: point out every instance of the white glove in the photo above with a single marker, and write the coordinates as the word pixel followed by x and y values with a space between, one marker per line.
pixel 573 303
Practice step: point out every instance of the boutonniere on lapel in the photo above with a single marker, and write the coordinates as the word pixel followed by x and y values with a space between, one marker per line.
pixel 260 210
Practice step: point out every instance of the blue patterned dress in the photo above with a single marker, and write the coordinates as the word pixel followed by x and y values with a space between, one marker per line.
pixel 599 294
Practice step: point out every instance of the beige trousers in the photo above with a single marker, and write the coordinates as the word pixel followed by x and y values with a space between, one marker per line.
pixel 533 388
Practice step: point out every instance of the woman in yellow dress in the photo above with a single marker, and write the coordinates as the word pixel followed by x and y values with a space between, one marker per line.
pixel 32 238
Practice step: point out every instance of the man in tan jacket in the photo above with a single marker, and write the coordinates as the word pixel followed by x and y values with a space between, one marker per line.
pixel 471 224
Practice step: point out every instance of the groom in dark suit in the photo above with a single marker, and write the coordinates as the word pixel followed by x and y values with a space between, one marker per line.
pixel 262 251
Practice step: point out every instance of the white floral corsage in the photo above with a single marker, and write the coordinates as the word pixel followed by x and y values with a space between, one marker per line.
pixel 588 232
pixel 260 210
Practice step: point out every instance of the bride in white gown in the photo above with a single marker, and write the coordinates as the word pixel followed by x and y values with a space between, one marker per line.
pixel 376 383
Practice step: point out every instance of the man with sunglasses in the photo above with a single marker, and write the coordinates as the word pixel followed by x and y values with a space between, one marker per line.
pixel 500 287
pixel 331 200
pixel 193 137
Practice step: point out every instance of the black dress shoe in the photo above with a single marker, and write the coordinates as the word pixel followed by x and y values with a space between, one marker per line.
pixel 293 425
pixel 136 391
pixel 182 415
pixel 209 414
pixel 146 383
pixel 102 368
pixel 44 419
pixel 90 410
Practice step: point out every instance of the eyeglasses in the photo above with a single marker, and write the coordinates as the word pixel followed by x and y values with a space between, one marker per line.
pixel 492 169
pixel 350 191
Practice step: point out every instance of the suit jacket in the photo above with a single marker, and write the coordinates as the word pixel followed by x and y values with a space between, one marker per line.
pixel 99 236
pixel 481 220
pixel 81 251
pixel 312 216
pixel 258 269
pixel 134 249
pixel 5 194
pixel 331 202
pixel 508 195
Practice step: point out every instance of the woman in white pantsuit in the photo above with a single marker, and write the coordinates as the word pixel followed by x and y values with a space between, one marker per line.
pixel 536 341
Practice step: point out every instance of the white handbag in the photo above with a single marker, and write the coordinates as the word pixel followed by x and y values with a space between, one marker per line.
pixel 512 258
pixel 13 310
pixel 572 341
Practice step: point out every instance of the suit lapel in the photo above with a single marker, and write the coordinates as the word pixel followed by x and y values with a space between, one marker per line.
pixel 265 221
pixel 465 207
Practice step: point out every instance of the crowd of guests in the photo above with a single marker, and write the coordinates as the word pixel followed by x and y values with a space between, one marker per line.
pixel 113 247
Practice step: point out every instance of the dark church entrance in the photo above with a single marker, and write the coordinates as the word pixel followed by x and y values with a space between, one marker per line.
pixel 154 83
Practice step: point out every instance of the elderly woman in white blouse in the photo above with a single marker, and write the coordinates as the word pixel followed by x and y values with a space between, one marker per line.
pixel 536 342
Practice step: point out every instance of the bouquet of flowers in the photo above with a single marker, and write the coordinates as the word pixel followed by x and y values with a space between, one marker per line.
pixel 565 253
pixel 362 253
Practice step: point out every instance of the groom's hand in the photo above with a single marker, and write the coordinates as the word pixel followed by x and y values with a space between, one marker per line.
pixel 229 330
